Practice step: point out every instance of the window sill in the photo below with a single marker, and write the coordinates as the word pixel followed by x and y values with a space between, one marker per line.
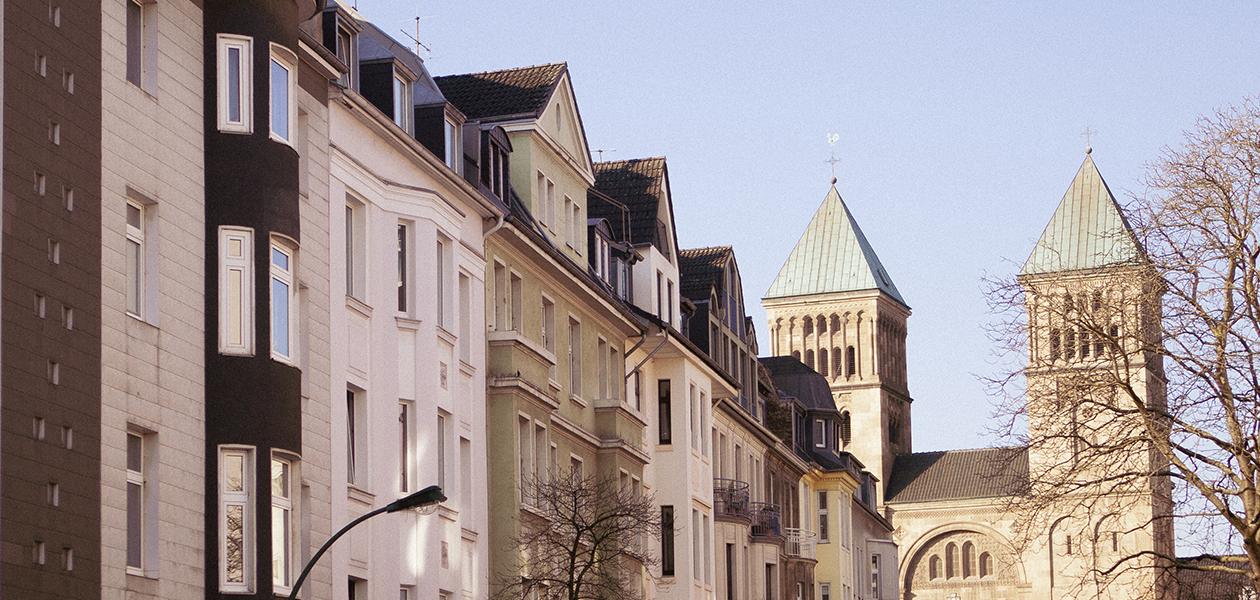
pixel 405 321
pixel 576 399
pixel 445 335
pixel 354 492
pixel 234 352
pixel 553 384
pixel 467 368
pixel 141 319
pixel 359 306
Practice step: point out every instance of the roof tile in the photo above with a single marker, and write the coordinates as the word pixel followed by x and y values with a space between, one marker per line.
pixel 958 474
pixel 522 91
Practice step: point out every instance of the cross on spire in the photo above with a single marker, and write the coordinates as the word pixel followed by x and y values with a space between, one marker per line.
pixel 832 138
pixel 833 161
pixel 1088 134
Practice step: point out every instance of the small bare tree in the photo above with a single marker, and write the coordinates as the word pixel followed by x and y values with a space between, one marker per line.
pixel 587 538
pixel 1149 374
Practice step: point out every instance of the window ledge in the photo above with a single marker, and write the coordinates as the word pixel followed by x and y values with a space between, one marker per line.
pixel 467 368
pixel 406 322
pixel 359 306
pixel 553 384
pixel 576 399
pixel 445 334
pixel 142 320
pixel 354 492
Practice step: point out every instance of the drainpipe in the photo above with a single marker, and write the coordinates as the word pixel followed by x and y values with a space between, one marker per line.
pixel 664 338
pixel 498 224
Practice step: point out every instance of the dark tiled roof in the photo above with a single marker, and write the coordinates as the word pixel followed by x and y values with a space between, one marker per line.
pixel 1196 579
pixel 700 270
pixel 639 184
pixel 958 474
pixel 799 381
pixel 516 92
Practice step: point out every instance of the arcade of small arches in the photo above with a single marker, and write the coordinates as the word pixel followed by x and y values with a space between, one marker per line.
pixel 1087 329
pixel 838 345
pixel 961 559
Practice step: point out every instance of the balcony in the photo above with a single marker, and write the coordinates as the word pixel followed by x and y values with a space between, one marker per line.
pixel 766 519
pixel 799 543
pixel 730 498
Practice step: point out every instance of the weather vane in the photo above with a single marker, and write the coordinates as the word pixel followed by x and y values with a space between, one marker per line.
pixel 832 138
pixel 1088 134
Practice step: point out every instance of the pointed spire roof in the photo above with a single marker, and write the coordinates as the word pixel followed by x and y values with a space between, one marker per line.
pixel 1088 229
pixel 832 256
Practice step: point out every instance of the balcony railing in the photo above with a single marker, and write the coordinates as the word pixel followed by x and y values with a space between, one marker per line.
pixel 730 497
pixel 799 543
pixel 765 519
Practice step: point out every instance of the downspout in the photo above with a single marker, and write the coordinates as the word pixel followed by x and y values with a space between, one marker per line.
pixel 499 222
pixel 664 338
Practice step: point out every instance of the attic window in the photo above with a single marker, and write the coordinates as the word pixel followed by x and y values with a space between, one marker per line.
pixel 402 101
pixel 347 52
pixel 453 145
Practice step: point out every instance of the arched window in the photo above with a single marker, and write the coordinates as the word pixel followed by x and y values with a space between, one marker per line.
pixel 846 427
pixel 807 326
pixel 1056 344
pixel 822 362
pixel 951 560
pixel 1097 304
pixel 934 567
pixel 837 362
pixel 835 323
pixel 822 324
pixel 1108 535
pixel 1084 343
pixel 968 555
pixel 1067 545
pixel 1070 344
pixel 796 354
pixel 850 361
pixel 809 358
pixel 986 564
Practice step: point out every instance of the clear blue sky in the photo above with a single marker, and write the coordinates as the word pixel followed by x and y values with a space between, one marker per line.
pixel 960 128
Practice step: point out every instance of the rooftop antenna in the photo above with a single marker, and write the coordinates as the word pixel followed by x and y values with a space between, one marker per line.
pixel 415 38
pixel 1088 134
pixel 832 138
pixel 601 151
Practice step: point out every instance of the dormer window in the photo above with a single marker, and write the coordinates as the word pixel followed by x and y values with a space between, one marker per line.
pixel 454 144
pixel 349 54
pixel 402 101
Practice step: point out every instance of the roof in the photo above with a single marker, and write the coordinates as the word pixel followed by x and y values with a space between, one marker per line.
pixel 1199 579
pixel 510 93
pixel 832 256
pixel 958 474
pixel 701 269
pixel 799 381
pixel 640 184
pixel 375 44
pixel 1088 229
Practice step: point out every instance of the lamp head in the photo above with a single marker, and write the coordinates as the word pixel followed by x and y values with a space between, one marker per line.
pixel 427 497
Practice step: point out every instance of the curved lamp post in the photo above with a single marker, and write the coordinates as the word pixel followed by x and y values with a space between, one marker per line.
pixel 430 496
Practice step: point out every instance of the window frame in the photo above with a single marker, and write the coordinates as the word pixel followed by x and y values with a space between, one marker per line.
pixel 245 499
pixel 138 478
pixel 401 87
pixel 285 503
pixel 136 235
pixel 407 447
pixel 289 278
pixel 403 270
pixel 245 264
pixel 287 60
pixel 453 141
pixel 245 46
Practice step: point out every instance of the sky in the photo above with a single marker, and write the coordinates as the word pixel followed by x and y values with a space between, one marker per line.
pixel 960 127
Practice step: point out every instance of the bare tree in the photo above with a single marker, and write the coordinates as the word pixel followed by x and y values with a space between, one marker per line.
pixel 587 538
pixel 1138 397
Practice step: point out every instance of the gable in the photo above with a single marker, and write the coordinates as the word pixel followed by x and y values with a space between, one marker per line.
pixel 561 122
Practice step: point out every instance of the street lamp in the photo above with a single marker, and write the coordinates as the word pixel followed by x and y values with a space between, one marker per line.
pixel 428 497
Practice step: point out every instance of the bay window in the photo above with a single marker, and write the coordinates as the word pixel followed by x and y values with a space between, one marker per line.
pixel 236 291
pixel 283 299
pixel 283 83
pixel 283 531
pixel 235 79
pixel 236 520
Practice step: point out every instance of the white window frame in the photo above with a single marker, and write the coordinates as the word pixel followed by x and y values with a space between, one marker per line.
pixel 286 504
pixel 286 60
pixel 244 264
pixel 406 446
pixel 138 478
pixel 454 146
pixel 288 278
pixel 824 524
pixel 244 499
pixel 402 100
pixel 135 235
pixel 356 242
pixel 245 46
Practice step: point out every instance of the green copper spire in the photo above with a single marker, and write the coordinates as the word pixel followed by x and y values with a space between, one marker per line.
pixel 832 256
pixel 1087 231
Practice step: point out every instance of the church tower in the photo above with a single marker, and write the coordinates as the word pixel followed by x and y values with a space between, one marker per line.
pixel 834 307
pixel 1092 307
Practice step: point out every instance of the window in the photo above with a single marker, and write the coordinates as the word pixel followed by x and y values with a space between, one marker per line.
pixel 846 428
pixel 951 560
pixel 824 591
pixel 443 432
pixel 660 299
pixel 664 423
pixel 850 368
pixel 284 539
pixel 283 84
pixel 236 520
pixel 403 275
pixel 236 291
pixel 406 446
pixel 968 557
pixel 820 433
pixel 707 549
pixel 348 53
pixel 875 575
pixel 616 377
pixel 524 453
pixel 986 564
pixel 141 42
pixel 502 299
pixel 465 318
pixel 541 444
pixel 693 404
pixel 697 561
pixel 136 258
pixel 667 541
pixel 549 331
pixel 235 93
pixel 140 507
pixel 356 435
pixel 356 249
pixel 601 356
pixel 575 357
pixel 442 256
pixel 823 523
pixel 465 475
pixel 577 223
pixel 283 301
pixel 669 302
pixel 516 293
pixel 636 382
pixel 402 101
pixel 454 145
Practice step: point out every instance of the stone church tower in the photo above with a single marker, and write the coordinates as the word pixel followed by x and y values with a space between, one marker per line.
pixel 834 307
